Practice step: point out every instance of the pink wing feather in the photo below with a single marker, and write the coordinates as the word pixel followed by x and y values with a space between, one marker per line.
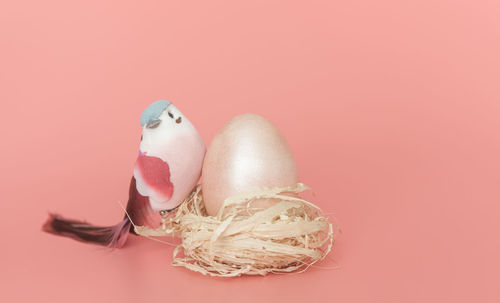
pixel 156 174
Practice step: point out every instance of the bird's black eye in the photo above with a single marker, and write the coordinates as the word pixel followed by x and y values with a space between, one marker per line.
pixel 141 137
pixel 170 115
pixel 153 124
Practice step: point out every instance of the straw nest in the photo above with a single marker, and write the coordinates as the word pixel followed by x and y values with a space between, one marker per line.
pixel 289 236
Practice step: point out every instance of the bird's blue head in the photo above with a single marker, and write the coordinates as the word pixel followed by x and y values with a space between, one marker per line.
pixel 152 113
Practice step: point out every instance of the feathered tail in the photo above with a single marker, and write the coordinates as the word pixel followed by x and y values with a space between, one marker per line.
pixel 110 236
pixel 115 236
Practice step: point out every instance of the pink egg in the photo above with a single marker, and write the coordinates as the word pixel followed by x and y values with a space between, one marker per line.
pixel 247 153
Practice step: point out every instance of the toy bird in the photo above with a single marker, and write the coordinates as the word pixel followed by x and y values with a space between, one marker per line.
pixel 167 168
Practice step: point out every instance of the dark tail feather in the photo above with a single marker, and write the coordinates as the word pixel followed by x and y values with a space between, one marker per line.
pixel 111 236
pixel 138 208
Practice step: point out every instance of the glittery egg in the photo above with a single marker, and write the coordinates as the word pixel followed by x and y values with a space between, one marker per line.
pixel 248 153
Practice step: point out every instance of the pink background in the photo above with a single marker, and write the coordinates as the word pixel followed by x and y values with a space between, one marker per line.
pixel 391 108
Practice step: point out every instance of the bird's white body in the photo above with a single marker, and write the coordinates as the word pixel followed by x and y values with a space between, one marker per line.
pixel 177 142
